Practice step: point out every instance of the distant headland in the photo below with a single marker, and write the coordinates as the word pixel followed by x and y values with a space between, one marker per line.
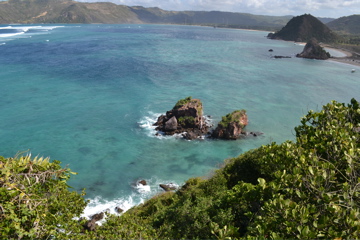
pixel 342 33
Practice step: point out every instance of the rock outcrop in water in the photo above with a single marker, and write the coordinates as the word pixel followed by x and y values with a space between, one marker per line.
pixel 231 126
pixel 313 50
pixel 186 117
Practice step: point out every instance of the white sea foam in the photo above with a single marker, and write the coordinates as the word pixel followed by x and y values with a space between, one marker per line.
pixel 7 35
pixel 147 124
pixel 21 30
pixel 50 27
pixel 139 194
pixel 98 205
pixel 143 189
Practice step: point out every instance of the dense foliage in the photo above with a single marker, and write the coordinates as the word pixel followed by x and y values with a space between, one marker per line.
pixel 34 199
pixel 307 189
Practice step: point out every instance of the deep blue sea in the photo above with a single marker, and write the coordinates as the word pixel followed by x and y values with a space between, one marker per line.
pixel 87 95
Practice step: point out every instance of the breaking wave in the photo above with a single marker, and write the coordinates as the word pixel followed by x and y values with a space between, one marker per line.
pixel 139 194
pixel 14 32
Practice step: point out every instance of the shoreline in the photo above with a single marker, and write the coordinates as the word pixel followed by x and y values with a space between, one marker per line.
pixel 347 59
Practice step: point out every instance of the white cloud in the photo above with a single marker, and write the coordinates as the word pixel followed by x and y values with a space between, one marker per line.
pixel 321 8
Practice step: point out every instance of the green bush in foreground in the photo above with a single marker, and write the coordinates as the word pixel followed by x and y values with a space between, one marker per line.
pixel 34 199
pixel 307 189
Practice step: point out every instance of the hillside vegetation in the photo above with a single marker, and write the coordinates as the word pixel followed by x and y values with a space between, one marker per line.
pixel 307 189
pixel 346 25
pixel 349 30
pixel 64 11
pixel 67 11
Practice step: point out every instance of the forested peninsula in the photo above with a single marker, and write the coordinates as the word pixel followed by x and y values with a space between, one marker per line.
pixel 303 189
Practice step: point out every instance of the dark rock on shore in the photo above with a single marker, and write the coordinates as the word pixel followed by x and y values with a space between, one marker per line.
pixel 168 187
pixel 118 209
pixel 91 224
pixel 231 125
pixel 97 217
pixel 190 135
pixel 143 182
pixel 185 117
pixel 313 50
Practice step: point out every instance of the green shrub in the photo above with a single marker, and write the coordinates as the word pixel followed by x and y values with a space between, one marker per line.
pixel 231 117
pixel 34 199
pixel 186 121
pixel 182 102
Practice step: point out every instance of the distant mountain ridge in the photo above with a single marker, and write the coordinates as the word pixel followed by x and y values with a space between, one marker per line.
pixel 68 11
pixel 64 11
pixel 346 25
pixel 303 28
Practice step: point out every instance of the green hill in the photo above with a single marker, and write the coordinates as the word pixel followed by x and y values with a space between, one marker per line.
pixel 346 25
pixel 64 11
pixel 67 11
pixel 303 28
pixel 214 18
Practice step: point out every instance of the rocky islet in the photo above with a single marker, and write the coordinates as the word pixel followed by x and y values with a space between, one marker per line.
pixel 187 118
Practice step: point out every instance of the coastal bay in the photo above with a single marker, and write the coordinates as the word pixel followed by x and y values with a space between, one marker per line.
pixel 88 95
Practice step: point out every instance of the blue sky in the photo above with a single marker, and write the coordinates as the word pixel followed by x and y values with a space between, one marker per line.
pixel 318 8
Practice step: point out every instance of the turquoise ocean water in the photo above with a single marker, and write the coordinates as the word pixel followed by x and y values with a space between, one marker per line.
pixel 87 95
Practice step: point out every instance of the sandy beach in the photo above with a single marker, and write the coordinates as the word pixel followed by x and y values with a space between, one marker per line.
pixel 349 58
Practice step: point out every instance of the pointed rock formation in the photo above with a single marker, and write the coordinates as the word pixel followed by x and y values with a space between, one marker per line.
pixel 303 28
pixel 313 50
